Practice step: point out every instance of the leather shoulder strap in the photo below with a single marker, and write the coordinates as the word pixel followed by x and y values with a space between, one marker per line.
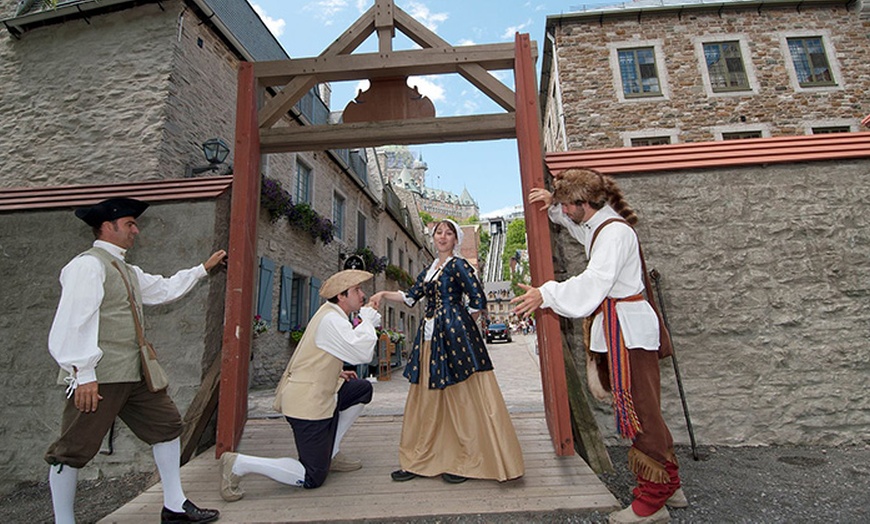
pixel 599 228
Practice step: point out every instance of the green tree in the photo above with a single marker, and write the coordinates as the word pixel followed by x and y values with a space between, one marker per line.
pixel 485 240
pixel 515 240
pixel 426 218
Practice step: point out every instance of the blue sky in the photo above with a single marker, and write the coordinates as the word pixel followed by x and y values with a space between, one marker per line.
pixel 489 170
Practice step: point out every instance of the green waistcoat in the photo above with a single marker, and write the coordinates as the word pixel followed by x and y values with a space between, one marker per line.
pixel 117 336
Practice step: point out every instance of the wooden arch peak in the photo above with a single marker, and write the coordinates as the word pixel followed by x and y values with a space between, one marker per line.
pixel 386 70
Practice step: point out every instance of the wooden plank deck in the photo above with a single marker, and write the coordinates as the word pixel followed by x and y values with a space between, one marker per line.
pixel 550 483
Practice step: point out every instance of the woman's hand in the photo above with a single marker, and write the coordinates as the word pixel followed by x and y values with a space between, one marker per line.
pixel 539 194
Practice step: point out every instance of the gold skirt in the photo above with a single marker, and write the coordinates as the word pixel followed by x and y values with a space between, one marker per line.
pixel 463 429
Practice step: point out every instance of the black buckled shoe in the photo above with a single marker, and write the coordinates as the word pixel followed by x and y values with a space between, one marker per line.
pixel 450 478
pixel 191 513
pixel 400 475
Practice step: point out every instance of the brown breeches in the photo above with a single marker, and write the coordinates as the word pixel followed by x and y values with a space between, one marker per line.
pixel 152 417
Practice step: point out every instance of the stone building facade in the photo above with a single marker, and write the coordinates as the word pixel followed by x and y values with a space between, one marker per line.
pixel 144 85
pixel 653 72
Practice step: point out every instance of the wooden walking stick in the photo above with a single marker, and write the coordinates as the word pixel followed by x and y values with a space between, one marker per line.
pixel 655 276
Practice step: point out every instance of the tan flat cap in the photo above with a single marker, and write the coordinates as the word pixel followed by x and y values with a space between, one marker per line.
pixel 342 281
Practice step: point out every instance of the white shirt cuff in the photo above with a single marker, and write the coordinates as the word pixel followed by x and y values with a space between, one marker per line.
pixel 370 315
pixel 83 376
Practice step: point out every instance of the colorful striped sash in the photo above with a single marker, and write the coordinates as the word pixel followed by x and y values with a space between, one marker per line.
pixel 627 422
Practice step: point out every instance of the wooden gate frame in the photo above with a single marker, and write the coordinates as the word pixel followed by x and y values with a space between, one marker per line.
pixel 255 135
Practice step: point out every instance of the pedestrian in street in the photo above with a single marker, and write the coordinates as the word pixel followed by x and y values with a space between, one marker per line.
pixel 94 340
pixel 455 423
pixel 319 400
pixel 624 332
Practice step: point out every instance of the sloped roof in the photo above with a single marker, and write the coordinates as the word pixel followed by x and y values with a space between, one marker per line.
pixel 236 20
pixel 33 198
pixel 727 153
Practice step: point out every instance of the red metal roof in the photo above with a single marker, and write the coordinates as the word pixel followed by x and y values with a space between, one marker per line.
pixel 29 198
pixel 727 153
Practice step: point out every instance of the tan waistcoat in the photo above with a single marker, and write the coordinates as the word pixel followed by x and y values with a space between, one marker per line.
pixel 308 389
pixel 117 334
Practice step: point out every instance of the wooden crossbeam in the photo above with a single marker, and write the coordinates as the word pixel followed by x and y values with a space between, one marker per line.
pixel 398 132
pixel 338 68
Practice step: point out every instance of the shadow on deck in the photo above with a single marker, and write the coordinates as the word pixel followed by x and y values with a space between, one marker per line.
pixel 551 483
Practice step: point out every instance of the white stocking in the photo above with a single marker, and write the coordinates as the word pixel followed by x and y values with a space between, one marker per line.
pixel 346 418
pixel 62 480
pixel 284 470
pixel 167 456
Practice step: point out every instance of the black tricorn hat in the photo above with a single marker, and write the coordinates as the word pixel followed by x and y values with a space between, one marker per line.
pixel 111 209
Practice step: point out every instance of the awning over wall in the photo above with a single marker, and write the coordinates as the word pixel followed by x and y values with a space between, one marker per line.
pixel 727 153
pixel 27 198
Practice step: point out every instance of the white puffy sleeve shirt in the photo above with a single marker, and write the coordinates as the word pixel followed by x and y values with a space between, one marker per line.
pixel 354 345
pixel 73 339
pixel 614 270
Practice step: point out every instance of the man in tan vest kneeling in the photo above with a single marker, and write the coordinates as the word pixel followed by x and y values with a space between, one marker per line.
pixel 318 399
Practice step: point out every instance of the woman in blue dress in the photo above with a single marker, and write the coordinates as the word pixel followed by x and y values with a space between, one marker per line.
pixel 456 423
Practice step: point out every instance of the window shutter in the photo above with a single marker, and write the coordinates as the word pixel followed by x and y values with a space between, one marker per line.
pixel 314 297
pixel 286 297
pixel 264 292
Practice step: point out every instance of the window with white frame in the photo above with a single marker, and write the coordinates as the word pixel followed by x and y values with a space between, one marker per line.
pixel 338 205
pixel 650 141
pixel 303 183
pixel 740 135
pixel 638 72
pixel 810 61
pixel 824 130
pixel 725 66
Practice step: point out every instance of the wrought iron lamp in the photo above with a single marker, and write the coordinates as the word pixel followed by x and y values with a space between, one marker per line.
pixel 216 151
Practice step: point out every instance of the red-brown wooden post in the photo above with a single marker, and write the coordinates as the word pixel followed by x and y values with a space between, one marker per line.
pixel 238 313
pixel 549 334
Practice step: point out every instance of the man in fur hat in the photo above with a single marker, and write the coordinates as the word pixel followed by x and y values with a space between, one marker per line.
pixel 624 333
pixel 318 399
pixel 94 340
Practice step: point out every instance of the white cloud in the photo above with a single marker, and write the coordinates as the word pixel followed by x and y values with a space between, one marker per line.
pixel 509 32
pixel 422 14
pixel 466 41
pixel 427 87
pixel 275 25
pixel 362 5
pixel 326 9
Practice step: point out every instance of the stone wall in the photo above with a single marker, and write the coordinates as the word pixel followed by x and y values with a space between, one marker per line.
pixel 766 278
pixel 186 334
pixel 85 102
pixel 595 115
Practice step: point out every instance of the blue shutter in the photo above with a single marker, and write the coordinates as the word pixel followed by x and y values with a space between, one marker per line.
pixel 286 297
pixel 314 297
pixel 264 293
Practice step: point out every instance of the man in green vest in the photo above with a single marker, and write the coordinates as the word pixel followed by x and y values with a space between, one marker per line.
pixel 319 400
pixel 94 340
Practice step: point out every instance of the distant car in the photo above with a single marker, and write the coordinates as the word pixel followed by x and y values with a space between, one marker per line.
pixel 498 332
